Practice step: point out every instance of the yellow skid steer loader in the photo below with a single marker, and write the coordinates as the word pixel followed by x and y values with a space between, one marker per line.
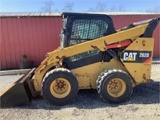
pixel 92 55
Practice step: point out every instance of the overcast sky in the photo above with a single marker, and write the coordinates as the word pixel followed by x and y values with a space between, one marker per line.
pixel 78 5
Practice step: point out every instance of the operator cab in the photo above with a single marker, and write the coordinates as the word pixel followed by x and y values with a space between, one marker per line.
pixel 81 27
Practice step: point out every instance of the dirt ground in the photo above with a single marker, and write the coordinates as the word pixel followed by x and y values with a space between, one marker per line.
pixel 144 104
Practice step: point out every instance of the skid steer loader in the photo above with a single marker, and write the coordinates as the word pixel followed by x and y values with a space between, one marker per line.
pixel 92 55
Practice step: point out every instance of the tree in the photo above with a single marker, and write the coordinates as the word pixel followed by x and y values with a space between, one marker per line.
pixel 113 8
pixel 117 8
pixel 121 8
pixel 154 10
pixel 68 7
pixel 91 10
pixel 48 6
pixel 101 7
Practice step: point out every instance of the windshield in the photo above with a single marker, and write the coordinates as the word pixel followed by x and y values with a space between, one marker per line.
pixel 87 29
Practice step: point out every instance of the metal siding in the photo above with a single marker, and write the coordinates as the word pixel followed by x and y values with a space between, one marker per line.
pixel 33 36
pixel 124 20
pixel 1 47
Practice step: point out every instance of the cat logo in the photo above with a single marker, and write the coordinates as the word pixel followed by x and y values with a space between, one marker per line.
pixel 129 56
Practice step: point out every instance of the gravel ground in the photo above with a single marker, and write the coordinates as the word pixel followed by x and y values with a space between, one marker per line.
pixel 144 104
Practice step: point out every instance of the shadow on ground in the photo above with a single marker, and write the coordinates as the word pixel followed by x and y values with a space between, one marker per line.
pixel 89 99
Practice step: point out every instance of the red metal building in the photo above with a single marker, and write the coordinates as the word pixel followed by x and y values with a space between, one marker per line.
pixel 33 35
pixel 36 34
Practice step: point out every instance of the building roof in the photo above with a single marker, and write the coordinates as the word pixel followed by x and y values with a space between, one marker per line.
pixel 128 13
pixel 27 14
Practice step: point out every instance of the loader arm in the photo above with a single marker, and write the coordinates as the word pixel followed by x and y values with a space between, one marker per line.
pixel 54 59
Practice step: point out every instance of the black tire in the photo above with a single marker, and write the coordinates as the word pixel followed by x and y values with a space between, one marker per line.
pixel 108 81
pixel 50 86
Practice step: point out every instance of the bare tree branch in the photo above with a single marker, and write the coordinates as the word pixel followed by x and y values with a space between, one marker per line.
pixel 113 8
pixel 121 8
pixel 154 10
pixel 48 6
pixel 91 10
pixel 68 7
pixel 101 7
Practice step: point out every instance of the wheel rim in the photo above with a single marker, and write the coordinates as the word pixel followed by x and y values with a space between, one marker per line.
pixel 116 87
pixel 60 88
